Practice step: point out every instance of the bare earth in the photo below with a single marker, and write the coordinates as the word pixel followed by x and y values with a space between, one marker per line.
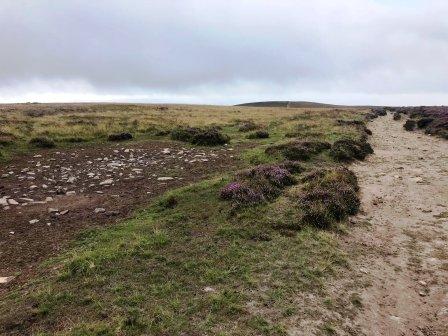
pixel 404 250
pixel 47 198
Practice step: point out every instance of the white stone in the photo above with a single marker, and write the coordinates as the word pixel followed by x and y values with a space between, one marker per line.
pixel 5 280
pixel 107 182
pixel 4 201
pixel 165 178
pixel 12 202
pixel 34 221
pixel 98 210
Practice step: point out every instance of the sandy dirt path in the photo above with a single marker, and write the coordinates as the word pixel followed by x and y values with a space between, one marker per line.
pixel 404 248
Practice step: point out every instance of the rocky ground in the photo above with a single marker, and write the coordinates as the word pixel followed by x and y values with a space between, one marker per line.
pixel 48 197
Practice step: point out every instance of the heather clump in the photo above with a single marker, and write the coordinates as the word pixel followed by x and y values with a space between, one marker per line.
pixel 120 136
pixel 409 125
pixel 328 196
pixel 247 126
pixel 433 119
pixel 397 116
pixel 346 150
pixel 211 136
pixel 42 142
pixel 257 184
pixel 241 193
pixel 424 122
pixel 299 150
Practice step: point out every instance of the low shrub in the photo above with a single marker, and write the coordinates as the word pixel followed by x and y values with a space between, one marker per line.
pixel 240 193
pixel 198 136
pixel 185 134
pixel 409 125
pixel 434 119
pixel 397 116
pixel 423 122
pixel 328 196
pixel 258 135
pixel 350 122
pixel 7 139
pixel 346 150
pixel 299 150
pixel 377 112
pixel 42 142
pixel 367 131
pixel 258 184
pixel 275 174
pixel 120 136
pixel 247 126
pixel 210 137
pixel 294 167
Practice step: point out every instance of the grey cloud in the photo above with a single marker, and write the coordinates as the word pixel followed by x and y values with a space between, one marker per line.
pixel 192 46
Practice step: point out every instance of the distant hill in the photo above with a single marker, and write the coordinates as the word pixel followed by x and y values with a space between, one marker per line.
pixel 292 104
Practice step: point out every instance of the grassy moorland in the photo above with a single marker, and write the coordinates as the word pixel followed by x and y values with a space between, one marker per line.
pixel 71 124
pixel 235 255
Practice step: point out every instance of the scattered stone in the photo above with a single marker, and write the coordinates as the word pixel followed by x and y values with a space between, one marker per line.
pixel 63 212
pixel 70 193
pixel 4 201
pixel 209 290
pixel 34 221
pixel 99 210
pixel 12 202
pixel 48 199
pixel 165 178
pixel 107 182
pixel 166 151
pixel 422 294
pixel 50 210
pixel 5 280
pixel 423 283
pixel 71 179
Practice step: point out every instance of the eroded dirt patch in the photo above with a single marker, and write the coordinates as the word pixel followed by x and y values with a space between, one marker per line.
pixel 48 197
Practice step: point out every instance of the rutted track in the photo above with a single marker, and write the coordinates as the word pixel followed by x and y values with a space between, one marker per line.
pixel 404 252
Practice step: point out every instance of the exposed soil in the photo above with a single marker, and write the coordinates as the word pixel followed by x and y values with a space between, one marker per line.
pixel 49 196
pixel 403 266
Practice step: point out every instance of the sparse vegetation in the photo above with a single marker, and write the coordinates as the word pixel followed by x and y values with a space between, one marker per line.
pixel 42 142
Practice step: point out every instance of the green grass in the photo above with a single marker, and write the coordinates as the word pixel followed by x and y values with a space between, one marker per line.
pixel 149 274
pixel 190 264
pixel 73 124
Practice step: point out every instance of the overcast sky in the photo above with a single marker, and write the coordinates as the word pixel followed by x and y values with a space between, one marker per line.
pixel 391 52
